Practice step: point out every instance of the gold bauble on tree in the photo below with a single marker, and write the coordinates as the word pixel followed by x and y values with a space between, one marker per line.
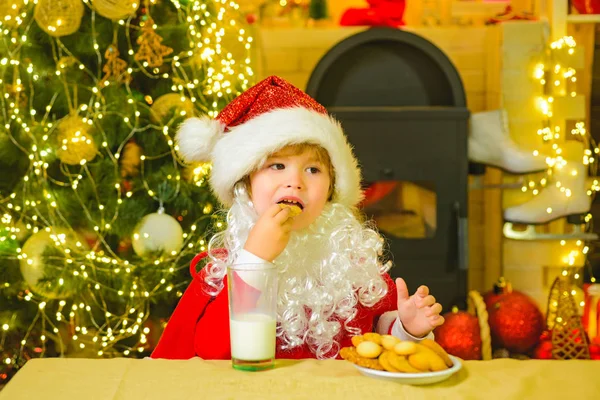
pixel 17 94
pixel 130 159
pixel 115 9
pixel 58 17
pixel 74 141
pixel 156 235
pixel 34 266
pixel 66 62
pixel 19 229
pixel 196 173
pixel 167 103
pixel 9 9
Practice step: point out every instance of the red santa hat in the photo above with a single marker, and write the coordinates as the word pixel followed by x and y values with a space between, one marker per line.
pixel 262 120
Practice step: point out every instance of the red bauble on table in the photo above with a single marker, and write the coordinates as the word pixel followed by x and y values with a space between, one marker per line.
pixel 459 335
pixel 595 348
pixel 516 322
pixel 594 352
pixel 543 351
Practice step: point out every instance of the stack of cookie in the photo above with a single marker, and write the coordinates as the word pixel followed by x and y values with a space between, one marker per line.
pixel 388 353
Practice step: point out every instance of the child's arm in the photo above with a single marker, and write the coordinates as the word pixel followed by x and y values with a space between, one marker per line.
pixel 246 257
pixel 390 324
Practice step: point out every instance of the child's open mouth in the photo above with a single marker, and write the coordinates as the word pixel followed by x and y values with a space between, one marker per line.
pixel 291 203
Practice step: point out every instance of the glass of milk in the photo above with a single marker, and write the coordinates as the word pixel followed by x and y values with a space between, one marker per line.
pixel 252 290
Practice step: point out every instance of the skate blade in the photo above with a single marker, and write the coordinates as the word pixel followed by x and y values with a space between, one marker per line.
pixel 506 171
pixel 477 184
pixel 530 233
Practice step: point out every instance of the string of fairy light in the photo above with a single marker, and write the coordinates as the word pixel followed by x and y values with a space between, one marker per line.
pixel 558 79
pixel 207 30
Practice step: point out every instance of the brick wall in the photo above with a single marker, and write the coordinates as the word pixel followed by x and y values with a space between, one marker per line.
pixel 292 53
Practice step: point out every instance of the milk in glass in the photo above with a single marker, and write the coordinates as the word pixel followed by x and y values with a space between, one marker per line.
pixel 253 337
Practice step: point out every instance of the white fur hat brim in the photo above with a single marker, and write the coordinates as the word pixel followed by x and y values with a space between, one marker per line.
pixel 238 152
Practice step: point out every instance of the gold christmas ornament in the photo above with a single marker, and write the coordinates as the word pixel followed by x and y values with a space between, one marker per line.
pixel 9 10
pixel 66 62
pixel 151 50
pixel 196 173
pixel 156 235
pixel 115 68
pixel 115 9
pixel 162 107
pixel 15 229
pixel 568 336
pixel 130 159
pixel 74 141
pixel 34 267
pixel 20 230
pixel 16 92
pixel 58 17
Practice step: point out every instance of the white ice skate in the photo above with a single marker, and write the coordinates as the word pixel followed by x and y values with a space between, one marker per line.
pixel 490 144
pixel 570 200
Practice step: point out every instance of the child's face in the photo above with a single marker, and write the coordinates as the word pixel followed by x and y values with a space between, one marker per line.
pixel 288 174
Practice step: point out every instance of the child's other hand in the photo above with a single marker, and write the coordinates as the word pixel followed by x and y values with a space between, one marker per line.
pixel 418 313
pixel 271 234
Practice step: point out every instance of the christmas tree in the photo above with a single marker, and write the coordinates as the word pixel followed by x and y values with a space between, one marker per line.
pixel 99 216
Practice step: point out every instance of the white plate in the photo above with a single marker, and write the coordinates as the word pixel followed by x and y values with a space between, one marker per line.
pixel 421 378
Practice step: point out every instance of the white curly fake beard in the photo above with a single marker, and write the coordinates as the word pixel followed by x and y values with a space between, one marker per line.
pixel 324 272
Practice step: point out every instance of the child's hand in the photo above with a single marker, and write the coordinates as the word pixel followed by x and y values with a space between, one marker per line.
pixel 271 234
pixel 418 313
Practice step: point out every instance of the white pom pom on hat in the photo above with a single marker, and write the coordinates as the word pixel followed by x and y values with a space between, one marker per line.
pixel 197 137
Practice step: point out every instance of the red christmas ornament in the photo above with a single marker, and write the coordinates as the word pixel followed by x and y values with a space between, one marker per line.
pixel 459 335
pixel 594 351
pixel 126 186
pixel 155 328
pixel 543 351
pixel 501 287
pixel 251 18
pixel 546 335
pixel 587 6
pixel 516 322
pixel 124 246
pixel 90 237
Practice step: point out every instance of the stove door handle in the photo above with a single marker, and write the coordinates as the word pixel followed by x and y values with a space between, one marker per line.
pixel 462 225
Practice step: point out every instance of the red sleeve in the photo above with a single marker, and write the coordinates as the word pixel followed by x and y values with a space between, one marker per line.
pixel 384 311
pixel 177 340
pixel 389 302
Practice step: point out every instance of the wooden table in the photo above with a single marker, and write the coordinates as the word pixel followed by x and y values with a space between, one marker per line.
pixel 132 379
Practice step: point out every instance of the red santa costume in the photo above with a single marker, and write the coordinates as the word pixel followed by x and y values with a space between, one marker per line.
pixel 332 284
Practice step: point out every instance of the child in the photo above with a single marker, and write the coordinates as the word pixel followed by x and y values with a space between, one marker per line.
pixel 274 144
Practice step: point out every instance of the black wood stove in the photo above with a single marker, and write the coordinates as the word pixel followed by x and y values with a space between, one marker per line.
pixel 402 104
